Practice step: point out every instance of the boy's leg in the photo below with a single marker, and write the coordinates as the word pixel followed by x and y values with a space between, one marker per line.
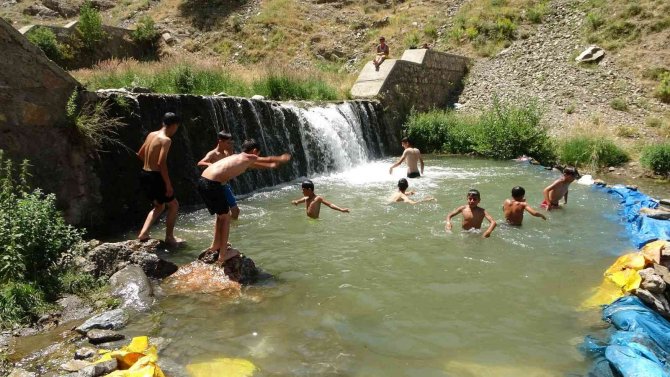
pixel 216 241
pixel 222 230
pixel 235 212
pixel 153 215
pixel 170 221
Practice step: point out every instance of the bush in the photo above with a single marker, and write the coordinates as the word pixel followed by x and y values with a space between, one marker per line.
pixel 20 303
pixel 90 26
pixel 45 39
pixel 94 124
pixel 284 87
pixel 503 132
pixel 663 88
pixel 145 31
pixel 619 104
pixel 592 152
pixel 657 158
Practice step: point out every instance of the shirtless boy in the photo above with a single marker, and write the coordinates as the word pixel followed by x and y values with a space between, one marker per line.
pixel 155 180
pixel 473 215
pixel 403 195
pixel 313 201
pixel 224 148
pixel 513 208
pixel 559 189
pixel 210 186
pixel 413 156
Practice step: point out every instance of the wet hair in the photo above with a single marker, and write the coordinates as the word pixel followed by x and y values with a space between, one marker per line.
pixel 223 135
pixel 170 119
pixel 249 145
pixel 382 38
pixel 406 140
pixel 402 184
pixel 307 184
pixel 475 193
pixel 569 170
pixel 518 192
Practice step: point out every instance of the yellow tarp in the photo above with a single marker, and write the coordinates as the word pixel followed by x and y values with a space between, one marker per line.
pixel 653 250
pixel 620 278
pixel 222 367
pixel 137 359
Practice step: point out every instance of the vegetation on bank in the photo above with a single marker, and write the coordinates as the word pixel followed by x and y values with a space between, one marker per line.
pixel 504 131
pixel 591 152
pixel 209 77
pixel 37 249
pixel 657 158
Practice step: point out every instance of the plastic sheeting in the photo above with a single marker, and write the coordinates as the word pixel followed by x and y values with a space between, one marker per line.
pixel 642 229
pixel 638 347
pixel 620 278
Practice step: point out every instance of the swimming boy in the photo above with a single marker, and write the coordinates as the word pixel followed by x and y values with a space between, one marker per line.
pixel 210 186
pixel 155 180
pixel 224 148
pixel 513 208
pixel 402 194
pixel 473 215
pixel 313 201
pixel 413 156
pixel 559 189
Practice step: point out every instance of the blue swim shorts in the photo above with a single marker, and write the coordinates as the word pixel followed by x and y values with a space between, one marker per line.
pixel 230 198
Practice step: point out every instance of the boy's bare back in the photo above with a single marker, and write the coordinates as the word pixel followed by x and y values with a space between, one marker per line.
pixel 514 211
pixel 155 142
pixel 229 167
pixel 557 190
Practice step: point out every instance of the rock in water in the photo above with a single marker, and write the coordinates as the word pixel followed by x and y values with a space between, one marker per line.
pixel 199 277
pixel 113 319
pixel 241 269
pixel 132 286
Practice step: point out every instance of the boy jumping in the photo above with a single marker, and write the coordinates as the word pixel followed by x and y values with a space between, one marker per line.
pixel 224 148
pixel 313 201
pixel 513 208
pixel 473 215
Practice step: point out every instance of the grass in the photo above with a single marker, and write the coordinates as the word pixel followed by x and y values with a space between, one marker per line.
pixel 657 158
pixel 207 77
pixel 591 152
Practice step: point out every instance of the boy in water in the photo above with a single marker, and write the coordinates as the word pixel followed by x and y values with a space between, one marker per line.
pixel 313 201
pixel 412 155
pixel 513 208
pixel 155 180
pixel 224 148
pixel 213 193
pixel 402 194
pixel 473 215
pixel 559 189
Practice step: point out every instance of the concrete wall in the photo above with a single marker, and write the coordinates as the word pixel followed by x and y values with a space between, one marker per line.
pixel 422 79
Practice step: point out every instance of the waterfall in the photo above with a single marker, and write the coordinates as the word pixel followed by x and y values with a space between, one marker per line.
pixel 321 138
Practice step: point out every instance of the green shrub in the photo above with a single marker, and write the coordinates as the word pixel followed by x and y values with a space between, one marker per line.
pixel 284 87
pixel 657 158
pixel 663 88
pixel 145 31
pixel 591 152
pixel 619 104
pixel 536 13
pixel 442 131
pixel 20 303
pixel 412 39
pixel 594 21
pixel 184 80
pixel 45 39
pixel 90 26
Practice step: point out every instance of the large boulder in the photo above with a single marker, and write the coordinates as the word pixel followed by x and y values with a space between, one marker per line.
pixel 241 269
pixel 133 287
pixel 199 277
pixel 110 320
pixel 108 258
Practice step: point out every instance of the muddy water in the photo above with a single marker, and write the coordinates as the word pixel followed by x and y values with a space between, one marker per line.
pixel 385 291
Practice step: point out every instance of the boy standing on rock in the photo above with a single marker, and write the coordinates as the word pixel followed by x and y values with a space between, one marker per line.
pixel 211 188
pixel 224 148
pixel 155 180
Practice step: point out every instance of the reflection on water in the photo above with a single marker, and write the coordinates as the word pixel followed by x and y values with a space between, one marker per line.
pixel 385 291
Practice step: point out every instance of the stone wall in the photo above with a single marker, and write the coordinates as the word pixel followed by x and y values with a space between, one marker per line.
pixel 118 43
pixel 33 123
pixel 422 79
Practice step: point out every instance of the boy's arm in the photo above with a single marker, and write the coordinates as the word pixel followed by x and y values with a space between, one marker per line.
pixel 162 165
pixel 286 157
pixel 421 161
pixel 140 153
pixel 492 224
pixel 301 200
pixel 205 160
pixel 533 212
pixel 333 206
pixel 402 158
pixel 452 214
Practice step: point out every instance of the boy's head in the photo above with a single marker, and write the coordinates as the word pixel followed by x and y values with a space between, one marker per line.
pixel 171 122
pixel 518 193
pixel 307 187
pixel 251 146
pixel 570 174
pixel 402 184
pixel 225 139
pixel 406 142
pixel 473 198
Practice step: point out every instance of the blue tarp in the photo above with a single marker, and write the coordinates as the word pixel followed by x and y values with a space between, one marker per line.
pixel 641 229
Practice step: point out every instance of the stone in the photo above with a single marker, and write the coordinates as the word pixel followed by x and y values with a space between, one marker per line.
pixel 198 277
pixel 140 89
pixel 241 269
pixel 258 97
pixel 63 8
pixel 592 53
pixel 73 308
pixel 109 258
pixel 132 286
pixel 611 169
pixel 74 365
pixel 665 202
pixel 103 336
pixel 663 272
pixel 98 369
pixel 110 320
pixel 657 302
pixel 658 214
pixel 168 38
pixel 599 182
pixel 222 94
pixel 103 5
pixel 18 372
pixel 84 353
pixel 40 11
pixel 632 187
pixel 651 281
pixel 381 23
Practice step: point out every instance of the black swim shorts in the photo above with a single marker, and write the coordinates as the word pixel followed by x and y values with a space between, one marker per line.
pixel 154 187
pixel 214 195
pixel 414 174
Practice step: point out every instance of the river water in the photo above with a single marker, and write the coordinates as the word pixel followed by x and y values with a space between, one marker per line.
pixel 385 291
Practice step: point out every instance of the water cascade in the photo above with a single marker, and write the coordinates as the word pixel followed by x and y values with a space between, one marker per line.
pixel 321 138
